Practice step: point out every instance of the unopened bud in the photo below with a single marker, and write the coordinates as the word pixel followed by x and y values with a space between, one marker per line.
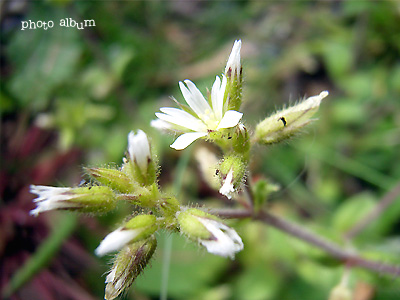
pixel 138 228
pixel 96 199
pixel 115 179
pixel 287 122
pixel 233 65
pixel 140 164
pixel 233 72
pixel 209 231
pixel 128 265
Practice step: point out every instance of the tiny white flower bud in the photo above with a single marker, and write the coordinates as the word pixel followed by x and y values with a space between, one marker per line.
pixel 233 65
pixel 139 149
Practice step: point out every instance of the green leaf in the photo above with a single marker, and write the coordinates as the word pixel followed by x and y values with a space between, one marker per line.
pixel 352 211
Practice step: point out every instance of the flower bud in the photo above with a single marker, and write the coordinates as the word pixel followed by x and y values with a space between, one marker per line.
pixel 233 72
pixel 115 179
pixel 233 66
pixel 210 232
pixel 138 228
pixel 140 164
pixel 128 265
pixel 94 199
pixel 287 122
pixel 340 292
pixel 231 172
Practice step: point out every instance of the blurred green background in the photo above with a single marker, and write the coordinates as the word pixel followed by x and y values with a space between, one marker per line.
pixel 69 98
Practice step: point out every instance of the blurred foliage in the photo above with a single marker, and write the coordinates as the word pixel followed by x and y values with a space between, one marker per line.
pixel 92 86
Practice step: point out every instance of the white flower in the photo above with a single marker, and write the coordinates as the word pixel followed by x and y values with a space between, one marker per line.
pixel 116 240
pixel 203 118
pixel 233 65
pixel 50 198
pixel 224 241
pixel 139 149
pixel 227 188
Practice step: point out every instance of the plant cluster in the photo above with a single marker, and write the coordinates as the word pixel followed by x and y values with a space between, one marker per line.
pixel 215 118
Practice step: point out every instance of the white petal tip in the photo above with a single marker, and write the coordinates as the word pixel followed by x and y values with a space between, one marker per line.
pixel 324 94
pixel 186 139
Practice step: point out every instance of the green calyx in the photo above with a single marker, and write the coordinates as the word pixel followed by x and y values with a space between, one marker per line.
pixel 115 179
pixel 96 199
pixel 146 225
pixel 191 226
pixel 236 164
pixel 142 176
pixel 234 90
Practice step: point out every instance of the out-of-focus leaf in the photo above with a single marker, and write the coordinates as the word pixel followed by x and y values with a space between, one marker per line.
pixel 48 61
pixel 256 283
pixel 352 210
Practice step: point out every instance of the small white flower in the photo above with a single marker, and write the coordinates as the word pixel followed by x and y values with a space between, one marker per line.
pixel 233 63
pixel 227 188
pixel 50 198
pixel 224 241
pixel 203 118
pixel 116 240
pixel 139 149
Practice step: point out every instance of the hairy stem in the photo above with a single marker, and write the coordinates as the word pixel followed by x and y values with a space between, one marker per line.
pixel 349 258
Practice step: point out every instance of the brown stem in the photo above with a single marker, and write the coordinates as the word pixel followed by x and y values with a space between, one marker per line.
pixel 347 257
pixel 380 207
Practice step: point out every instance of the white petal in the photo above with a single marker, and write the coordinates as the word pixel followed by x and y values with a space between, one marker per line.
pixel 230 119
pixel 161 125
pixel 195 99
pixel 110 277
pixel 184 117
pixel 227 188
pixel 139 149
pixel 226 241
pixel 214 98
pixel 50 198
pixel 217 96
pixel 186 139
pixel 234 58
pixel 115 241
pixel 195 125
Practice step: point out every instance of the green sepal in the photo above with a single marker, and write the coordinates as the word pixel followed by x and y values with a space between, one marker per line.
pixel 191 226
pixel 95 199
pixel 145 224
pixel 115 179
pixel 128 265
